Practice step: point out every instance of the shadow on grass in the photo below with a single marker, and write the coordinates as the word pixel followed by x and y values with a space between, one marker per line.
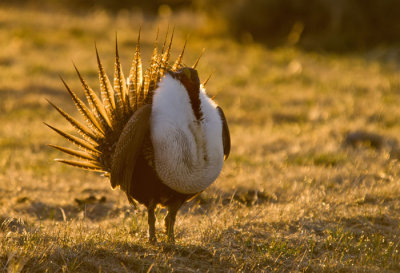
pixel 96 211
pixel 118 257
pixel 98 208
pixel 306 245
pixel 35 251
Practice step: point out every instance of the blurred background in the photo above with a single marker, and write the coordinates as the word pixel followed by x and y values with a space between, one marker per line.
pixel 311 91
pixel 339 25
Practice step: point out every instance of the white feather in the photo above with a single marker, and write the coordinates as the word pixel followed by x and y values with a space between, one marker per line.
pixel 188 153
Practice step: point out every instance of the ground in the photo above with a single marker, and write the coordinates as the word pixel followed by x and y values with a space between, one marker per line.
pixel 311 185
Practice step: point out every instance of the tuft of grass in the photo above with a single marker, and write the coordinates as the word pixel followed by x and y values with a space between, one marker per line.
pixel 294 195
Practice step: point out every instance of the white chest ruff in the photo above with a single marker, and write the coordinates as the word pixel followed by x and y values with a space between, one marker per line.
pixel 188 154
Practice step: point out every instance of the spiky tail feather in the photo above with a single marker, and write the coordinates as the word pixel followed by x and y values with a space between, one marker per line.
pixel 107 115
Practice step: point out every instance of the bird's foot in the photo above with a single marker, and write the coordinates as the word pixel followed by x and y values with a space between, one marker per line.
pixel 171 240
pixel 167 224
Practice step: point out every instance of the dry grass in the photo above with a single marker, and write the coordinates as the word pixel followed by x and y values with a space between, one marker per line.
pixel 299 192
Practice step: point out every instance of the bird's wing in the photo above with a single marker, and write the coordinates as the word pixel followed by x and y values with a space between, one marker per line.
pixel 128 148
pixel 226 137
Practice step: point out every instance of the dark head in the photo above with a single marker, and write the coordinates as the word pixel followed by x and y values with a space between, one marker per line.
pixel 190 80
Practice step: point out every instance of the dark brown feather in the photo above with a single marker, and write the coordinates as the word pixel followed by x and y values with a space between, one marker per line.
pixel 128 147
pixel 226 137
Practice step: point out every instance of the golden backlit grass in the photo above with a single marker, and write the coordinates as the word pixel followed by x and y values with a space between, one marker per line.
pixel 295 195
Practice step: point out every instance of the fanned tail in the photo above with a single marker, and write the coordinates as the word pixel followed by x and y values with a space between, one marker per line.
pixel 135 78
pixel 198 59
pixel 107 92
pixel 107 115
pixel 120 89
pixel 95 104
pixel 82 164
pixel 178 62
pixel 81 143
pixel 78 154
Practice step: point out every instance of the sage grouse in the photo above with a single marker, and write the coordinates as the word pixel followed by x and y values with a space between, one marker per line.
pixel 156 135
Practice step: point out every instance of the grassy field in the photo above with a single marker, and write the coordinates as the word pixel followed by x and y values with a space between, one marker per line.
pixel 311 185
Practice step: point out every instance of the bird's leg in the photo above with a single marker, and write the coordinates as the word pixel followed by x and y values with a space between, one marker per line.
pixel 151 218
pixel 170 220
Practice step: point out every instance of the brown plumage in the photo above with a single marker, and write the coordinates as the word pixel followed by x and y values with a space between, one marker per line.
pixel 116 138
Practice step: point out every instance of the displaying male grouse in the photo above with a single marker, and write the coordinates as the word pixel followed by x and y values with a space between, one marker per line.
pixel 157 135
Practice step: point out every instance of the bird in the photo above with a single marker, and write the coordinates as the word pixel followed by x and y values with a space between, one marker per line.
pixel 156 134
